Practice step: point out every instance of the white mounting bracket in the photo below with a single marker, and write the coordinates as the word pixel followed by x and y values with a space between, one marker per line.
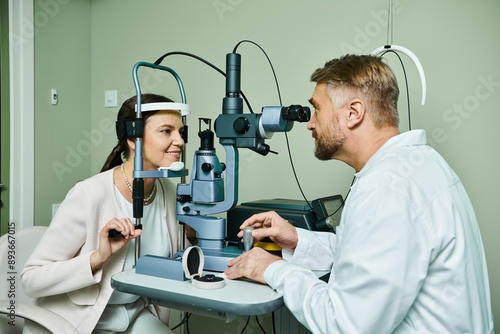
pixel 412 56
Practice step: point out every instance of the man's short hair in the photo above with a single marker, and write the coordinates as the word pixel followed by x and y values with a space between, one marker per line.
pixel 366 77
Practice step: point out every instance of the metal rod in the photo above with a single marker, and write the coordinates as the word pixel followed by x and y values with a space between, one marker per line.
pixel 137 242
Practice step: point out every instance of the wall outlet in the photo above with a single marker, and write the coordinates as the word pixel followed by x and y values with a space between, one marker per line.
pixel 110 98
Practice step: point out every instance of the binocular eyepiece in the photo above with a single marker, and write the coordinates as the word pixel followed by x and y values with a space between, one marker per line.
pixel 296 113
pixel 280 119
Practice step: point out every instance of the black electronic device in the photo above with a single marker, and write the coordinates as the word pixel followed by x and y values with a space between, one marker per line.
pixel 328 210
pixel 325 216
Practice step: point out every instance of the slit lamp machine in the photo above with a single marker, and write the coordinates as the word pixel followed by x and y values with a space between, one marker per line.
pixel 209 191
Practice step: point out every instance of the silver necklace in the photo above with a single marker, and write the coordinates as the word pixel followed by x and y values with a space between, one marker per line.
pixel 146 200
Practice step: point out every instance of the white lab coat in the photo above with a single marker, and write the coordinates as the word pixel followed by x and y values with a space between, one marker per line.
pixel 407 256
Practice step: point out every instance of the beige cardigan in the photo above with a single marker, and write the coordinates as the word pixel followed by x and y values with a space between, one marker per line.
pixel 58 272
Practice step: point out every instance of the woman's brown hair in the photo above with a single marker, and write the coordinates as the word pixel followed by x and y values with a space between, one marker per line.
pixel 127 111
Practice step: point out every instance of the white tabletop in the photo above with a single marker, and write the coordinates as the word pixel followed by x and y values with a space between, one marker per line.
pixel 240 297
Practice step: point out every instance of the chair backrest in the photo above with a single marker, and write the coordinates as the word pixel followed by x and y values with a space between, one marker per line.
pixel 15 249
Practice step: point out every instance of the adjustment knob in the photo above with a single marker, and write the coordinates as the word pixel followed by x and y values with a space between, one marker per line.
pixel 207 167
pixel 241 125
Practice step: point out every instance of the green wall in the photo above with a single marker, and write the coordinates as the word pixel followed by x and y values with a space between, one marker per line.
pixel 4 116
pixel 62 61
pixel 90 47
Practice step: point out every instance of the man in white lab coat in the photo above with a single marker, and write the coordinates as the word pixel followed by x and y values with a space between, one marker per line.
pixel 407 256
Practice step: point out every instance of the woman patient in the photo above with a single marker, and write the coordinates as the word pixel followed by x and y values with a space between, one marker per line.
pixel 70 271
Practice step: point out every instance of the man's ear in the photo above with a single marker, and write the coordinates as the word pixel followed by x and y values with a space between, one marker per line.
pixel 356 113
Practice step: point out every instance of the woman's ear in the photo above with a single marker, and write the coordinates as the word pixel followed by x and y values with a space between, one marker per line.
pixel 356 113
pixel 131 144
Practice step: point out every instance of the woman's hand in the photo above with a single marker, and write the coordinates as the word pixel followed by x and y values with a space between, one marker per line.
pixel 109 246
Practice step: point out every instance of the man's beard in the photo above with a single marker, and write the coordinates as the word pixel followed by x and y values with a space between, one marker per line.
pixel 328 144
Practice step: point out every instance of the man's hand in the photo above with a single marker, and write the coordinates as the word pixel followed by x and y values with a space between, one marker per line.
pixel 109 246
pixel 270 224
pixel 251 264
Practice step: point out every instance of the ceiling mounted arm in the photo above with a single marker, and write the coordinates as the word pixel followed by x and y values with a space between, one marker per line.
pixel 412 56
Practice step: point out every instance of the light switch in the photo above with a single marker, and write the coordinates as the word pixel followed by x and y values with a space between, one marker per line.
pixel 53 96
pixel 110 98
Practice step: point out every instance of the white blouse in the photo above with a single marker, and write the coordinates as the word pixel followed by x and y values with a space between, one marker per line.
pixel 123 307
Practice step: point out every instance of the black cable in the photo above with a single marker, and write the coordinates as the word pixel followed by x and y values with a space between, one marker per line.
pixel 243 330
pixel 343 200
pixel 286 136
pixel 182 53
pixel 182 322
pixel 273 322
pixel 258 323
pixel 294 173
pixel 159 60
pixel 300 188
pixel 406 84
pixel 187 323
pixel 280 103
pixel 268 60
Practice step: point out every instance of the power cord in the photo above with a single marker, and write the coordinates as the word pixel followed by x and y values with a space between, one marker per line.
pixel 258 323
pixel 273 322
pixel 268 60
pixel 183 321
pixel 159 60
pixel 286 137
pixel 406 84
pixel 245 327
